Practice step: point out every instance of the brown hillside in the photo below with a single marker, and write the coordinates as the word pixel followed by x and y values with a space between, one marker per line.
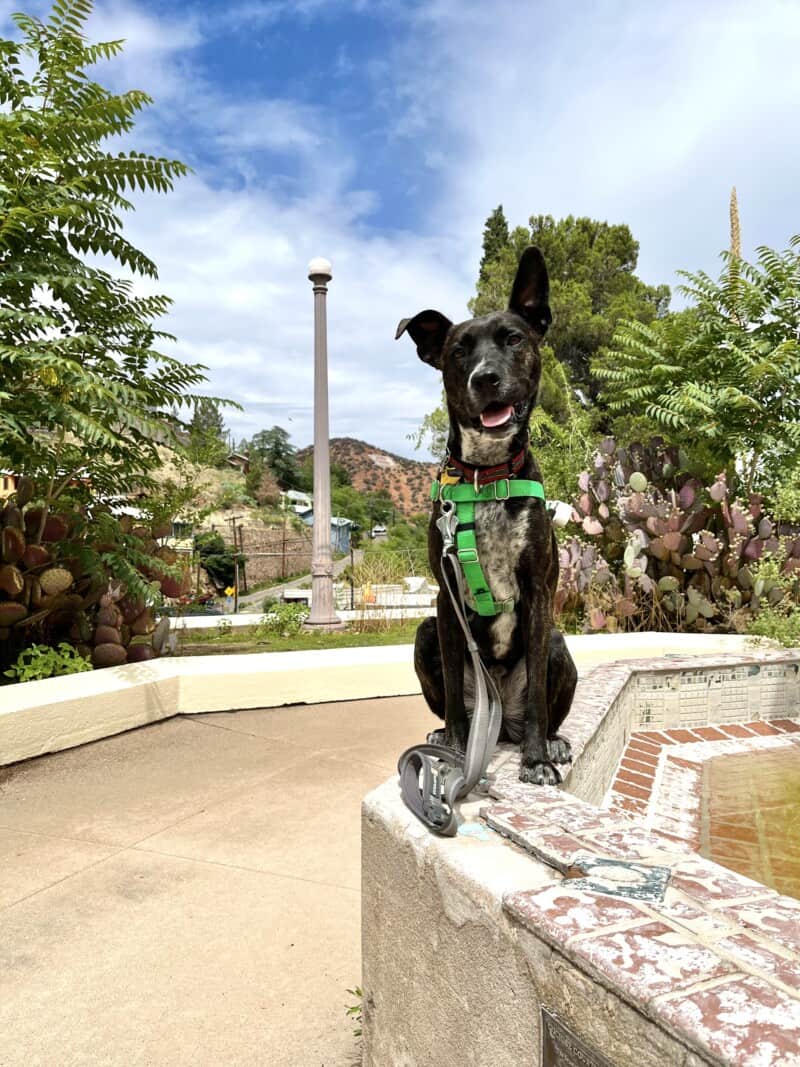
pixel 407 481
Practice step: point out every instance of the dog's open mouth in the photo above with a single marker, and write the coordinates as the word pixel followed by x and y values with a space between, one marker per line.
pixel 496 416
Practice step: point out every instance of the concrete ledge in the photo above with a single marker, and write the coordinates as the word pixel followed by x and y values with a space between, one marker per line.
pixel 452 977
pixel 59 713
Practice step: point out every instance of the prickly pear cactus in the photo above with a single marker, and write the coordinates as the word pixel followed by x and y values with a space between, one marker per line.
pixel 57 582
pixel 659 550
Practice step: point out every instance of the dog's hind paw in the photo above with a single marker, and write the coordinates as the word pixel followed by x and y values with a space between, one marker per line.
pixel 540 774
pixel 559 749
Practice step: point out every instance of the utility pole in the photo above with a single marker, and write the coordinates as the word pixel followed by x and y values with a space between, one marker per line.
pixel 322 614
pixel 233 520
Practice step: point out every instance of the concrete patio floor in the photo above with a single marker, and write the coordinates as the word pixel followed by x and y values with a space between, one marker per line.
pixel 189 892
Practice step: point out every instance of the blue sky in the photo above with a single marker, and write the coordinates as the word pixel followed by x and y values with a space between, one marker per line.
pixel 381 134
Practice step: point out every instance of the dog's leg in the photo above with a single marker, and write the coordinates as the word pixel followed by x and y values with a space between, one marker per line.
pixel 537 766
pixel 562 677
pixel 428 665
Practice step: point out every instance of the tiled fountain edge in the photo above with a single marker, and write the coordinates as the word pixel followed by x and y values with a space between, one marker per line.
pixel 716 962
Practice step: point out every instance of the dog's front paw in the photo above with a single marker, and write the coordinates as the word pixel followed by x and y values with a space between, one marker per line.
pixel 559 749
pixel 540 773
pixel 441 737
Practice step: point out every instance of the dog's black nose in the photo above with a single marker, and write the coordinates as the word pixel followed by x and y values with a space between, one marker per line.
pixel 484 378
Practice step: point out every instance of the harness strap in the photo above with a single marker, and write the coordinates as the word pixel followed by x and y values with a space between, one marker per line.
pixel 465 497
pixel 504 489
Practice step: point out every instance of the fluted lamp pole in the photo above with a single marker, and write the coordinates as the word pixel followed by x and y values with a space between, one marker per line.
pixel 322 614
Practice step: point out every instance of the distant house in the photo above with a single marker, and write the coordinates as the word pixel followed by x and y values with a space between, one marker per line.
pixel 340 530
pixel 296 501
pixel 239 462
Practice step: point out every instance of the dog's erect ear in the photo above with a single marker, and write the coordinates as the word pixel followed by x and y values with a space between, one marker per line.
pixel 428 331
pixel 531 292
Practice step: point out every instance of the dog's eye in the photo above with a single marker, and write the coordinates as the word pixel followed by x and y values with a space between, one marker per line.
pixel 457 351
pixel 514 339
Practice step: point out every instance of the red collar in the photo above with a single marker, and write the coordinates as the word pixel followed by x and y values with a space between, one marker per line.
pixel 480 476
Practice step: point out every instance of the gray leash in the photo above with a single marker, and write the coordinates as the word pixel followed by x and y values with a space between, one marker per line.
pixel 434 777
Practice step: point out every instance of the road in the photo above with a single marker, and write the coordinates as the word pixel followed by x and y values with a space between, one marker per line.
pixel 254 601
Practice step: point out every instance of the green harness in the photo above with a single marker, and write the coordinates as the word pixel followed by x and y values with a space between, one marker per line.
pixel 465 496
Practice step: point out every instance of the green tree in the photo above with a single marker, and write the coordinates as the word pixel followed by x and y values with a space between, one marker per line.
pixel 349 503
pixel 207 444
pixel 261 484
pixel 207 418
pixel 723 378
pixel 433 431
pixel 277 451
pixel 85 393
pixel 218 561
pixel 495 239
pixel 592 286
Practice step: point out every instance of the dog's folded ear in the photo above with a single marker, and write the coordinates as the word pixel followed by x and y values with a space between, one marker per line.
pixel 428 331
pixel 530 294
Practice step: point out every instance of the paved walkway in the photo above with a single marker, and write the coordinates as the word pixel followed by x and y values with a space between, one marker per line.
pixel 188 893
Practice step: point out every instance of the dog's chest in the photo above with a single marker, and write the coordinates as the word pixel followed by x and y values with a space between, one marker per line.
pixel 501 536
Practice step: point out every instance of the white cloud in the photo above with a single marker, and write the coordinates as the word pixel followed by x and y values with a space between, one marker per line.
pixel 244 306
pixel 629 112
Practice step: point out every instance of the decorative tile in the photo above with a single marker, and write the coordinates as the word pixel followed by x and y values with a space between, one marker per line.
pixel 763 728
pixel 621 878
pixel 735 730
pixel 642 755
pixel 690 916
pixel 655 737
pixel 711 884
pixel 551 845
pixel 644 748
pixel 752 953
pixel 681 736
pixel 635 843
pixel 651 959
pixel 625 789
pixel 709 733
pixel 745 1022
pixel 561 912
pixel 776 917
pixel 629 805
pixel 624 774
pixel 636 766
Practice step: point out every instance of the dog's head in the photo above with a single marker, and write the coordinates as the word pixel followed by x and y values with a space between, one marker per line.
pixel 490 365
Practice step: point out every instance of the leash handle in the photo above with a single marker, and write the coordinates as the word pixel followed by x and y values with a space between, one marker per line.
pixel 433 802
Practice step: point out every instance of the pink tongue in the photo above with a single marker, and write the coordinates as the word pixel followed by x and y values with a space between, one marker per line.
pixel 496 416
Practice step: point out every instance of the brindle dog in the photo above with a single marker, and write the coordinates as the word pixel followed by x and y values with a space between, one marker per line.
pixel 491 368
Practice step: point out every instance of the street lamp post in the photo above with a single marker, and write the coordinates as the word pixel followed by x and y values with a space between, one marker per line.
pixel 322 614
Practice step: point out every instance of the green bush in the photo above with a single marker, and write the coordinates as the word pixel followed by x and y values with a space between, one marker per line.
pixel 283 619
pixel 40 661
pixel 777 625
pixel 216 558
